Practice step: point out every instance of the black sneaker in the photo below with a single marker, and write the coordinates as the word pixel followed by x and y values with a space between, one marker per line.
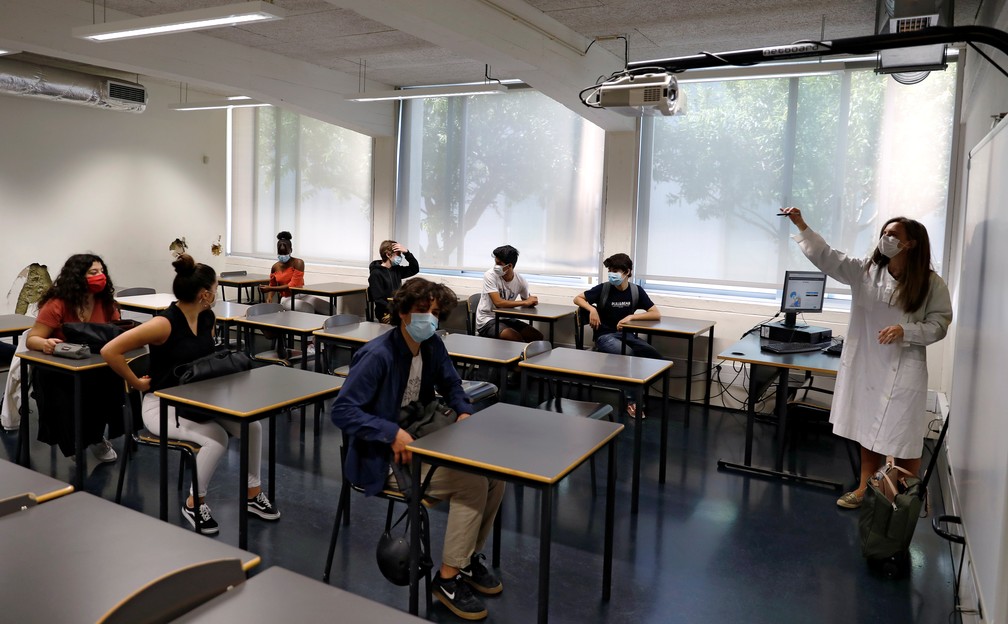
pixel 480 577
pixel 262 507
pixel 455 594
pixel 208 526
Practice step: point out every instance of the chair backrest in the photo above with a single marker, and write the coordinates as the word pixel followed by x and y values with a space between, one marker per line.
pixel 259 309
pixel 580 321
pixel 340 319
pixel 129 292
pixel 535 348
pixel 232 273
pixel 472 302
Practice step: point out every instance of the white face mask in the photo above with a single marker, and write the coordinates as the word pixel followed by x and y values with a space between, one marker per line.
pixel 889 246
pixel 498 269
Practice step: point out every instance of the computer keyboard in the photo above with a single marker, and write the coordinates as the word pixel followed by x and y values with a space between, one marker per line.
pixel 775 346
pixel 836 348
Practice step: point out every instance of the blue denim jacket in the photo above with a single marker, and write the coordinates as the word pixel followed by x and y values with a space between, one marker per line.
pixel 367 408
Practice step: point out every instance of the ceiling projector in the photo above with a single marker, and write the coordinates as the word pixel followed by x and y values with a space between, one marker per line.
pixel 640 95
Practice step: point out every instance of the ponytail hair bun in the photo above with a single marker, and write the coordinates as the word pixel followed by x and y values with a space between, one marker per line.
pixel 184 265
pixel 285 235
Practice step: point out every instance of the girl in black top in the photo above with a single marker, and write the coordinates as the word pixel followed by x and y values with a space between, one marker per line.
pixel 182 334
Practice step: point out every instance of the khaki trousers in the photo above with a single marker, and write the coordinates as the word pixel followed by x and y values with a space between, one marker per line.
pixel 473 502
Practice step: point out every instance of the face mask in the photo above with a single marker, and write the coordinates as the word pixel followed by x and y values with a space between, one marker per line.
pixel 889 246
pixel 96 283
pixel 399 260
pixel 615 278
pixel 422 326
pixel 498 269
pixel 209 303
pixel 285 258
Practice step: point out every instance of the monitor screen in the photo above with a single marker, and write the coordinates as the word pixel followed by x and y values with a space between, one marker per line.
pixel 804 291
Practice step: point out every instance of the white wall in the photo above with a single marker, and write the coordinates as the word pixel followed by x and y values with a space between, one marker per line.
pixel 122 185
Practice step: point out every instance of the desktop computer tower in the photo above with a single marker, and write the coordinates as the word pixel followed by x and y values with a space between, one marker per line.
pixel 780 332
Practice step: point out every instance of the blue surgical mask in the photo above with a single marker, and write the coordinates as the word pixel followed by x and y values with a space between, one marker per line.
pixel 398 260
pixel 615 278
pixel 498 269
pixel 422 326
pixel 284 258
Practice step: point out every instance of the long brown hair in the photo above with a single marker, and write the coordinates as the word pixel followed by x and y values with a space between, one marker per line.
pixel 915 282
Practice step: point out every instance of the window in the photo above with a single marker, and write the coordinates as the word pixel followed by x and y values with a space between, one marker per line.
pixel 483 171
pixel 850 148
pixel 295 173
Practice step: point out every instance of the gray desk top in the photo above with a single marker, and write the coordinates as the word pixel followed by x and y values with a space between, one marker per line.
pixel 13 324
pixel 256 392
pixel 286 320
pixel 519 441
pixel 748 351
pixel 361 332
pixel 16 480
pixel 543 311
pixel 671 325
pixel 88 363
pixel 279 595
pixel 330 288
pixel 626 369
pixel 241 280
pixel 483 349
pixel 229 310
pixel 156 302
pixel 78 556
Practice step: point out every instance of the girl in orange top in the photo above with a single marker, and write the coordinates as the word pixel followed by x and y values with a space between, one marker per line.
pixel 289 271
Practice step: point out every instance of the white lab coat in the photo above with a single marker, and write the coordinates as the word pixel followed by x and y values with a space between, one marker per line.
pixel 881 390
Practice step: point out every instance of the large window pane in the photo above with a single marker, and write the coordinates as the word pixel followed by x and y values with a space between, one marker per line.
pixel 309 177
pixel 479 172
pixel 852 149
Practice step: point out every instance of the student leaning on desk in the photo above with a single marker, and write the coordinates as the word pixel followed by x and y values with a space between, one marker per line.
pixel 183 333
pixel 899 306
pixel 503 287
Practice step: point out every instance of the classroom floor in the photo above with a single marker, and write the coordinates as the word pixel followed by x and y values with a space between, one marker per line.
pixel 708 546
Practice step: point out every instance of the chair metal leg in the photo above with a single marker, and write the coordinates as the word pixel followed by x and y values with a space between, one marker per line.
pixel 195 486
pixel 181 471
pixel 341 513
pixel 122 467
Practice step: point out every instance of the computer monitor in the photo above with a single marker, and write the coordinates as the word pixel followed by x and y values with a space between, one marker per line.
pixel 804 291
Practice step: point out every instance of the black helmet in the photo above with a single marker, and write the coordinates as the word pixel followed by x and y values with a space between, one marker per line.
pixel 393 558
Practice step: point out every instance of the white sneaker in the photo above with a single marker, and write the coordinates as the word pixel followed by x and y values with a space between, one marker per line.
pixel 103 451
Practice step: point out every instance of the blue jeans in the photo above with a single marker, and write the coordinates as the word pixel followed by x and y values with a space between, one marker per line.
pixel 613 343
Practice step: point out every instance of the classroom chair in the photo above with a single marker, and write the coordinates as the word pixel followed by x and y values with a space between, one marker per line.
pixel 129 292
pixel 280 352
pixel 138 436
pixel 472 302
pixel 327 360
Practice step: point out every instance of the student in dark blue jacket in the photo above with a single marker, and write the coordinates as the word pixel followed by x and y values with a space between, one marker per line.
pixel 401 369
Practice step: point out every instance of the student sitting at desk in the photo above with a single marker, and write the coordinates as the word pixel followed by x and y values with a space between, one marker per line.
pixel 899 306
pixel 83 292
pixel 385 276
pixel 388 376
pixel 288 271
pixel 615 302
pixel 503 287
pixel 183 333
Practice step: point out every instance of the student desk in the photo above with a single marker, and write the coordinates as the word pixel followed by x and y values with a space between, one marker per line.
pixel 501 354
pixel 287 322
pixel 628 373
pixel 244 397
pixel 351 335
pixel 13 325
pixel 242 282
pixel 332 290
pixel 66 366
pixel 521 445
pixel 279 595
pixel 685 329
pixel 77 557
pixel 764 365
pixel 548 313
pixel 16 480
pixel 226 313
pixel 146 304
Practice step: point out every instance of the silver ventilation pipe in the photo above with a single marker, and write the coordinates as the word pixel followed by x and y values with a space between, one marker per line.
pixel 64 85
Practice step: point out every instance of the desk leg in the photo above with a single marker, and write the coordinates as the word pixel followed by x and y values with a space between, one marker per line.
pixel 781 408
pixel 689 381
pixel 414 568
pixel 24 448
pixel 163 459
pixel 522 388
pixel 79 434
pixel 664 426
pixel 495 560
pixel 496 325
pixel 552 325
pixel 243 469
pixel 637 442
pixel 545 542
pixel 623 337
pixel 710 363
pixel 272 458
pixel 610 515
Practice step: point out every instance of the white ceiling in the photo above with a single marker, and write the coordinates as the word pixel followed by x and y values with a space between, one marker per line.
pixel 425 42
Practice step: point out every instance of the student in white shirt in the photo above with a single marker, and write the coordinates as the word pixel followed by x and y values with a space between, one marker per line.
pixel 504 288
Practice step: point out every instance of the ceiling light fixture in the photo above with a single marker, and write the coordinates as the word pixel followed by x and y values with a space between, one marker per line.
pixel 428 92
pixel 217 104
pixel 199 19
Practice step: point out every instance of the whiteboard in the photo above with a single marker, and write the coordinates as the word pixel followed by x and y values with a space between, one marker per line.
pixel 978 429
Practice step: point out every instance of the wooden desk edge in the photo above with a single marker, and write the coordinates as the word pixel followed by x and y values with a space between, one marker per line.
pixel 223 410
pixel 568 371
pixel 747 360
pixel 54 494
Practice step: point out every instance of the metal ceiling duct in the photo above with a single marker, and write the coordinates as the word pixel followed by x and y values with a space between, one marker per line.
pixel 64 85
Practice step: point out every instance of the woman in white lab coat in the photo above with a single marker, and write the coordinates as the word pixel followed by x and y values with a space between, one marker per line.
pixel 900 305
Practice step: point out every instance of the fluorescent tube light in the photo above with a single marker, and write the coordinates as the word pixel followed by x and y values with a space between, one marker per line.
pixel 213 17
pixel 427 92
pixel 213 105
